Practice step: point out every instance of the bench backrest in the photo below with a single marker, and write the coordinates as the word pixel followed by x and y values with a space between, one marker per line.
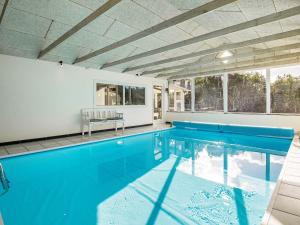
pixel 91 113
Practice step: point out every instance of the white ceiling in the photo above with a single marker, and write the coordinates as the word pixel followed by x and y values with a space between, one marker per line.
pixel 29 26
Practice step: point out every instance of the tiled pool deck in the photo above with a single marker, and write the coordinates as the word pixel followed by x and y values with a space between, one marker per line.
pixel 58 142
pixel 284 207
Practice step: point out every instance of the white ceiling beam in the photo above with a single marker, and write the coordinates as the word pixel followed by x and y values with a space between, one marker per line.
pixel 210 6
pixel 242 44
pixel 238 27
pixel 199 63
pixel 94 15
pixel 3 10
pixel 247 64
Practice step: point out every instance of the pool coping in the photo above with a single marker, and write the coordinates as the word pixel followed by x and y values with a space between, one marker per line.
pixel 81 143
pixel 293 150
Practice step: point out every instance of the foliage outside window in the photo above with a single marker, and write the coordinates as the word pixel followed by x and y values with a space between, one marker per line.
pixel 247 92
pixel 134 95
pixel 171 100
pixel 109 94
pixel 285 90
pixel 209 93
pixel 180 97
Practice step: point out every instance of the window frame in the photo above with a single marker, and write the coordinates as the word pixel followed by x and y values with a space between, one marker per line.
pixel 225 95
pixel 106 85
pixel 96 81
pixel 134 86
pixel 194 90
pixel 179 96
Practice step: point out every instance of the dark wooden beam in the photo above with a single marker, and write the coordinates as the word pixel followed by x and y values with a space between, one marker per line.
pixel 3 10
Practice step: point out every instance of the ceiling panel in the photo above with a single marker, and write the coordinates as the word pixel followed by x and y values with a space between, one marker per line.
pixel 132 14
pixel 13 39
pixel 290 23
pixel 268 29
pixel 70 51
pixel 90 4
pixel 81 38
pixel 253 9
pixel 172 35
pixel 63 11
pixel 185 5
pixel 25 22
pixel 149 43
pixel 286 4
pixel 161 8
pixel 242 35
pixel 118 31
pixel 6 50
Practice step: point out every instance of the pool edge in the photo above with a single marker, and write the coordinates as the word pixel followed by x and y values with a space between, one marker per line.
pixel 81 143
pixel 294 149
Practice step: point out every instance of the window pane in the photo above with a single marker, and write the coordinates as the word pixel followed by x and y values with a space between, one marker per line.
pixel 209 93
pixel 134 95
pixel 285 90
pixel 171 100
pixel 180 95
pixel 109 94
pixel 247 92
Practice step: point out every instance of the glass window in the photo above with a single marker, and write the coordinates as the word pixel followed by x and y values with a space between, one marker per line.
pixel 247 92
pixel 171 100
pixel 134 95
pixel 109 94
pixel 285 90
pixel 209 93
pixel 180 95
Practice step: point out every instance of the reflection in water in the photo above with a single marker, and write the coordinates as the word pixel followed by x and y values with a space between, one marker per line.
pixel 166 177
pixel 225 163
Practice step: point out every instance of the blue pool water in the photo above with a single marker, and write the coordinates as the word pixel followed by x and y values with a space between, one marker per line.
pixel 175 176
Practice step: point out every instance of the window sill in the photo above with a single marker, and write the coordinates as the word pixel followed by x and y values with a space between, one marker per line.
pixel 243 113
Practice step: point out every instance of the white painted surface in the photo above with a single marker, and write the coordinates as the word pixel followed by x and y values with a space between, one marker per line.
pixel 40 99
pixel 238 118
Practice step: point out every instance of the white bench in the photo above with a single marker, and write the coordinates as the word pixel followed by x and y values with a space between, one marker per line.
pixel 92 116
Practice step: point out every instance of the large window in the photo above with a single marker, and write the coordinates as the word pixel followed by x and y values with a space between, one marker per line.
pixel 274 90
pixel 247 92
pixel 285 90
pixel 180 97
pixel 134 95
pixel 109 94
pixel 208 93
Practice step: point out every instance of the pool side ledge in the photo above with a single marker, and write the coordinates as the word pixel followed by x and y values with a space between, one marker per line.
pixel 284 205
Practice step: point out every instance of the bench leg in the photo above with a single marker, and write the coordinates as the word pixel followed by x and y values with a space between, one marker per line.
pixel 90 129
pixel 123 127
pixel 82 128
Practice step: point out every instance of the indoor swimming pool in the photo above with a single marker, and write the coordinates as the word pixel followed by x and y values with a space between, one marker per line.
pixel 189 174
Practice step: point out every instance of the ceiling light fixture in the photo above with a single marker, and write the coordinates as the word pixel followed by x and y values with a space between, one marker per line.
pixel 224 54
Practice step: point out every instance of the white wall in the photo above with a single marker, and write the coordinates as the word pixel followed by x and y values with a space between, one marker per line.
pixel 238 118
pixel 41 99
